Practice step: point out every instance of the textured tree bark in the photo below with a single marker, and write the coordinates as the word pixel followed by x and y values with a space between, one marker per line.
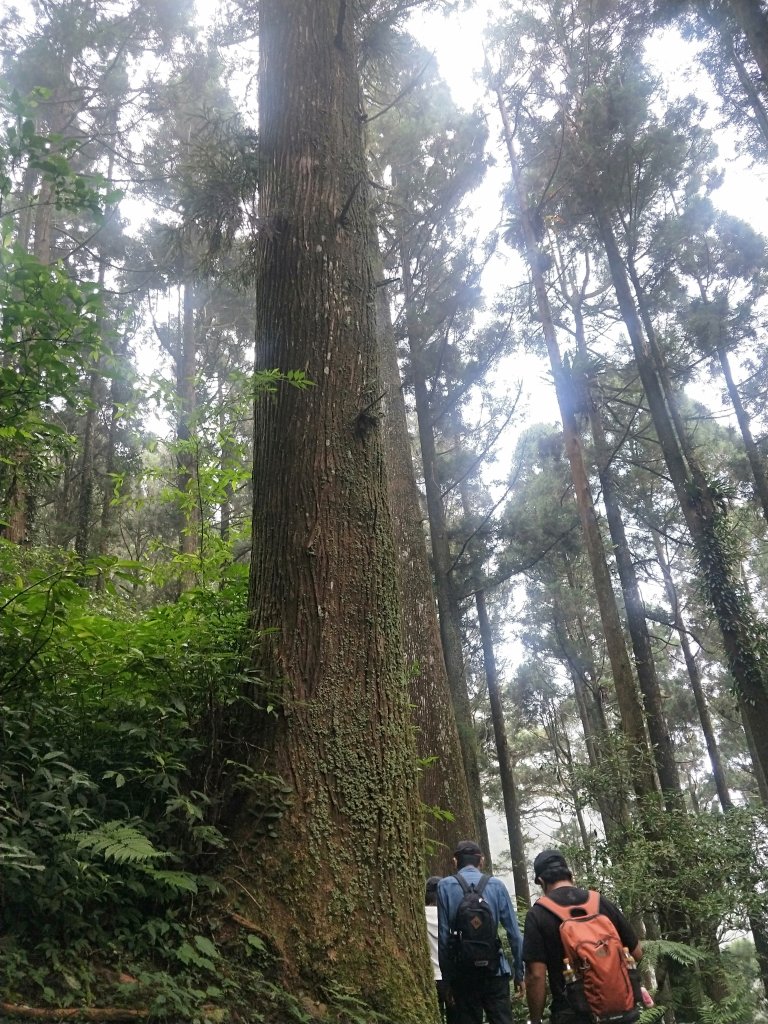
pixel 339 885
pixel 442 784
pixel 614 806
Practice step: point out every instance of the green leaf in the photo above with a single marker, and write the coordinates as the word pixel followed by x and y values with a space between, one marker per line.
pixel 206 946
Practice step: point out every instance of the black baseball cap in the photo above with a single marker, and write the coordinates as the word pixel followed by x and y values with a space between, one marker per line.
pixel 548 859
pixel 467 846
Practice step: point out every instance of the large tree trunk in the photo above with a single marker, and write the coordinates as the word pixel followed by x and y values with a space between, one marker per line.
pixel 442 782
pixel 447 603
pixel 339 885
pixel 733 607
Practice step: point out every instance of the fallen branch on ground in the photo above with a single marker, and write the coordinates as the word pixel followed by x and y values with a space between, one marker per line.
pixel 97 1013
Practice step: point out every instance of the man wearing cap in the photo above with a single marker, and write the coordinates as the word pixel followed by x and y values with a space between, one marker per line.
pixel 484 990
pixel 542 949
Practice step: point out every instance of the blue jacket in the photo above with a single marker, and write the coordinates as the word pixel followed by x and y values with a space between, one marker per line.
pixel 449 896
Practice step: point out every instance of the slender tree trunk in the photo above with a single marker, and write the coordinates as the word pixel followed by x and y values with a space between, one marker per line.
pixel 87 467
pixel 506 772
pixel 34 230
pixel 753 97
pixel 447 604
pixel 751 18
pixel 26 202
pixel 226 457
pixel 662 746
pixel 718 772
pixel 186 458
pixel 85 495
pixel 576 799
pixel 110 461
pixel 443 783
pixel 630 708
pixel 757 924
pixel 339 884
pixel 730 598
pixel 756 462
pixel 612 798
pixel 512 809
pixel 36 220
pixel 732 604
pixel 749 732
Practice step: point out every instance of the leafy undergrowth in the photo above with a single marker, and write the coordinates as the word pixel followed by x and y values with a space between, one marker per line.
pixel 117 759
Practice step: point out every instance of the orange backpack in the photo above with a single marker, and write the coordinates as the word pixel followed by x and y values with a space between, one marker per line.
pixel 602 981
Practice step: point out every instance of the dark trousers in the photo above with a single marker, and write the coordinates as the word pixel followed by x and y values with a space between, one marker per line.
pixel 445 1002
pixel 488 992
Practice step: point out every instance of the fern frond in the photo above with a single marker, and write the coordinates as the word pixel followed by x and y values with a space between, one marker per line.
pixel 116 841
pixel 179 881
pixel 652 1015
pixel 729 1011
pixel 655 949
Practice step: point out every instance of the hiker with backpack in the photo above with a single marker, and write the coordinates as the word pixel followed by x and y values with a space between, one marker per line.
pixel 584 946
pixel 470 908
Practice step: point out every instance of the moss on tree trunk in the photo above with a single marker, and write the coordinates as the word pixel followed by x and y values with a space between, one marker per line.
pixel 338 886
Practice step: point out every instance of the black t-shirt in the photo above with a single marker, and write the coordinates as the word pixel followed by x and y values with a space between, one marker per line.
pixel 541 939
